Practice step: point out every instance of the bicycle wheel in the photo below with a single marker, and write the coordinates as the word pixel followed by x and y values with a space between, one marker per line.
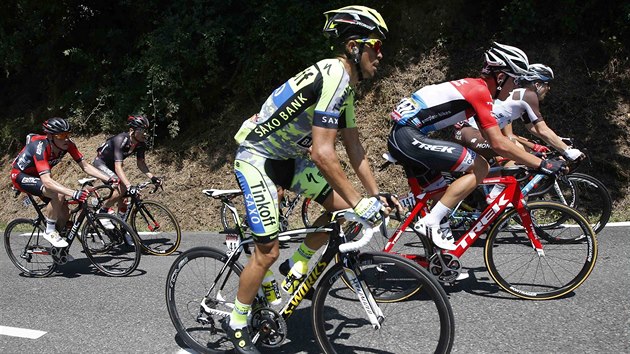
pixel 27 248
pixel 114 250
pixel 585 194
pixel 229 219
pixel 570 252
pixel 189 280
pixel 156 227
pixel 341 324
pixel 311 210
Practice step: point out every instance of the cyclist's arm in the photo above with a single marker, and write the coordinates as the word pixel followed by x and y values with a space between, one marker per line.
pixel 507 131
pixel 118 170
pixel 542 130
pixel 53 186
pixel 142 166
pixel 325 158
pixel 92 171
pixel 360 164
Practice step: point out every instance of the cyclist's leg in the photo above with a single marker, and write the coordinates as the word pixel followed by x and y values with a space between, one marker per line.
pixel 261 199
pixel 116 193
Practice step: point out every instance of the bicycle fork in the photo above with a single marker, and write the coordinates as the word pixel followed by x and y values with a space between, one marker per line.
pixel 373 311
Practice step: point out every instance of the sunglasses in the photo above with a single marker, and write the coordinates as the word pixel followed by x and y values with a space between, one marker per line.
pixel 62 136
pixel 374 43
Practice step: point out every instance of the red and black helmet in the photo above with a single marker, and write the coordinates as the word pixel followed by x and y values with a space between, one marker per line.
pixel 138 121
pixel 56 126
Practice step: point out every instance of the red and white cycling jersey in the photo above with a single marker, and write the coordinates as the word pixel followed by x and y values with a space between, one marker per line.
pixel 513 108
pixel 442 105
pixel 37 157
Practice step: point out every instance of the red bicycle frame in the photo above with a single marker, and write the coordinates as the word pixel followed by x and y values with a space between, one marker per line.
pixel 511 195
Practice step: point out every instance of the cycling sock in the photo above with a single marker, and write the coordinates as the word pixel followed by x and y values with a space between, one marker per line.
pixel 438 212
pixel 50 225
pixel 303 254
pixel 238 317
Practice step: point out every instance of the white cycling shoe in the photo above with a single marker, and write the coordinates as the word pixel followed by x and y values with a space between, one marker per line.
pixel 442 238
pixel 55 239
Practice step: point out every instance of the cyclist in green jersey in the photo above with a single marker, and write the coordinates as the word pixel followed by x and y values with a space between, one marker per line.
pixel 291 145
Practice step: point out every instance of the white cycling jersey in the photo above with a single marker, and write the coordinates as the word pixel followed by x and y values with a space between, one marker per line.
pixel 513 108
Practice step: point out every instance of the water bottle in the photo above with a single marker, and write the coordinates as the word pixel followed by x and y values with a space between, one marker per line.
pixel 270 288
pixel 294 277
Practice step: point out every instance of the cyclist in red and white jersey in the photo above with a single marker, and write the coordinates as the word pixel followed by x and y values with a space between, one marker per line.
pixel 31 173
pixel 442 105
pixel 522 103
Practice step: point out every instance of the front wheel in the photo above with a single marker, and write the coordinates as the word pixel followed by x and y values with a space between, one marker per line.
pixel 569 252
pixel 311 210
pixel 188 283
pixel 110 244
pixel 27 248
pixel 156 227
pixel 341 324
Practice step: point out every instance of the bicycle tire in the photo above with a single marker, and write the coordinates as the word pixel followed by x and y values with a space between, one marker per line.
pixel 587 195
pixel 27 248
pixel 517 268
pixel 340 323
pixel 161 240
pixel 187 283
pixel 311 210
pixel 109 249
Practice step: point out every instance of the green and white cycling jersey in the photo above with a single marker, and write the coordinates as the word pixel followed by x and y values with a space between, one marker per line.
pixel 319 96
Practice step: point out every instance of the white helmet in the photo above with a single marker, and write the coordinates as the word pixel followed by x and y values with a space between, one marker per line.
pixel 505 58
pixel 538 72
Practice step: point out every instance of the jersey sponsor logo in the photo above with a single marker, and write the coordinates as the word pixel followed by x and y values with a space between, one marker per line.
pixel 258 209
pixel 22 163
pixel 306 142
pixel 438 148
pixel 281 117
pixel 40 147
pixel 460 82
pixel 29 180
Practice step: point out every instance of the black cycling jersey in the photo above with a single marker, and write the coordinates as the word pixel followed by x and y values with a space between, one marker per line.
pixel 118 148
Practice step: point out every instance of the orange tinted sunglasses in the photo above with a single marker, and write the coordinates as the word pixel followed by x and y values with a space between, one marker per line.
pixel 374 43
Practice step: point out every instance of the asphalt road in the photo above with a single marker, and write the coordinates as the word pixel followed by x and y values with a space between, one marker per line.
pixel 83 312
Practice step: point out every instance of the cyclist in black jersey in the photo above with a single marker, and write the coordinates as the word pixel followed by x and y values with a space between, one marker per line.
pixel 291 144
pixel 111 154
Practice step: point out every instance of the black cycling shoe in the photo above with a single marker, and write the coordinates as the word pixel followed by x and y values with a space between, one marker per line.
pixel 239 337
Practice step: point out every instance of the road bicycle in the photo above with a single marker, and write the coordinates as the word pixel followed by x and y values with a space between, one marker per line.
pixel 202 283
pixel 310 210
pixel 533 250
pixel 156 226
pixel 114 251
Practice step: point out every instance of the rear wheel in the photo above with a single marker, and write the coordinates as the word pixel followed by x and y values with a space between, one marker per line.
pixel 110 244
pixel 156 227
pixel 570 252
pixel 341 324
pixel 27 248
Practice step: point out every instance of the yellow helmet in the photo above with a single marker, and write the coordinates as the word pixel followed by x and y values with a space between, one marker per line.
pixel 352 22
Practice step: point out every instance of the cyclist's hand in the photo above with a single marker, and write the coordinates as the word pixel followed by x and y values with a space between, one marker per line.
pixel 132 190
pixel 552 166
pixel 573 154
pixel 392 204
pixel 80 195
pixel 113 181
pixel 541 148
pixel 156 180
pixel 369 209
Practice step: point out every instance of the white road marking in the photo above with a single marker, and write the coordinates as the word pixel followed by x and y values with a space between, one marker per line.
pixel 21 332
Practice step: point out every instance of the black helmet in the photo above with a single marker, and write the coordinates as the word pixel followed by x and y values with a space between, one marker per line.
pixel 505 58
pixel 353 22
pixel 138 121
pixel 56 126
